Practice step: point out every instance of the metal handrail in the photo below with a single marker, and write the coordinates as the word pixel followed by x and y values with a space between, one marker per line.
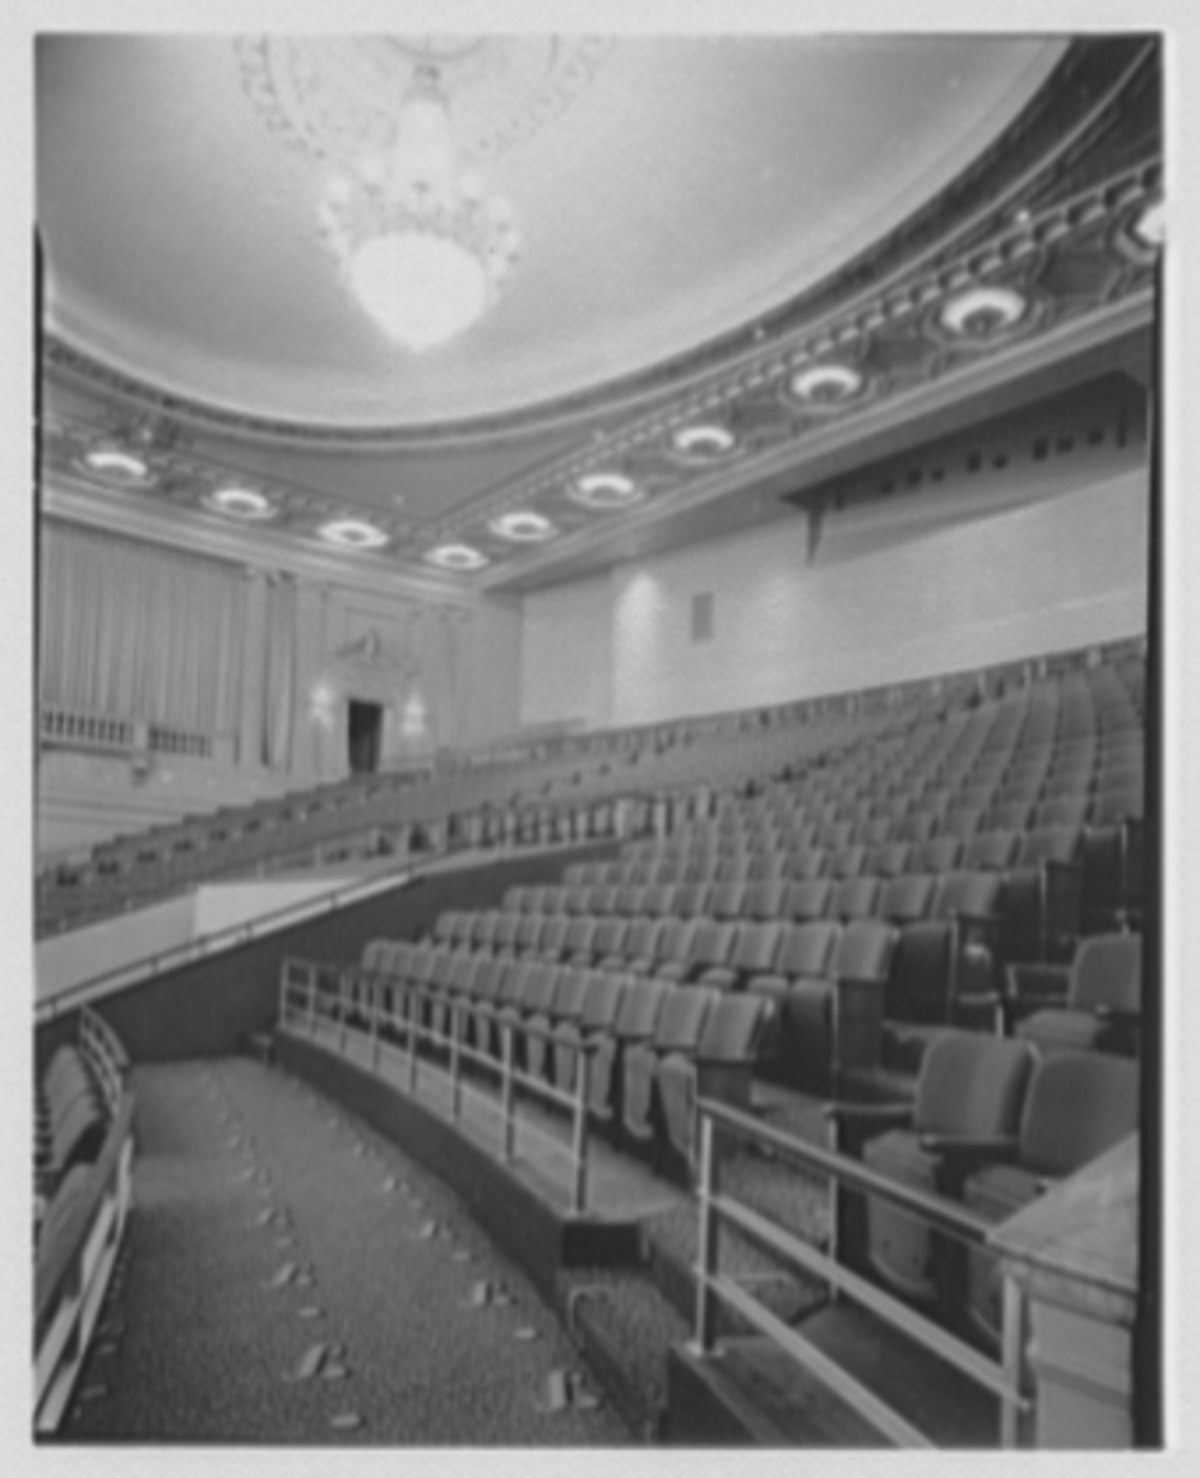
pixel 299 989
pixel 106 1055
pixel 247 932
pixel 1002 1378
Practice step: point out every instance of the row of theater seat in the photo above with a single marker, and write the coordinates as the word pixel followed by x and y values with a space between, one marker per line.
pixel 994 1125
pixel 71 1118
pixel 887 796
pixel 1046 877
pixel 956 913
pixel 869 994
pixel 1045 728
pixel 646 1039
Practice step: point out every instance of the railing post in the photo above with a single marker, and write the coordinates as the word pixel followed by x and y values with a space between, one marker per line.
pixel 507 1094
pixel 1012 1358
pixel 374 992
pixel 706 1332
pixel 579 1140
pixel 312 1001
pixel 343 1005
pixel 411 1003
pixel 455 1063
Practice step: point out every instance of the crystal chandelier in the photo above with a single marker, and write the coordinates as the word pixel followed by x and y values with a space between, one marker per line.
pixel 420 246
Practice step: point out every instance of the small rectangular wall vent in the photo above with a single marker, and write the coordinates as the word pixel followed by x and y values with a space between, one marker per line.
pixel 702 616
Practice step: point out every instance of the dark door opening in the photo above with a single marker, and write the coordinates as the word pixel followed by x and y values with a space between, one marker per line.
pixel 366 736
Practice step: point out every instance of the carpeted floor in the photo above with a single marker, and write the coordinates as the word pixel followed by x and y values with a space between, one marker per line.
pixel 291 1277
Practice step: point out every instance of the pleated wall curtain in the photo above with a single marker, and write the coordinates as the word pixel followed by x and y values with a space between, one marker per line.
pixel 131 631
pixel 280 685
pixel 437 637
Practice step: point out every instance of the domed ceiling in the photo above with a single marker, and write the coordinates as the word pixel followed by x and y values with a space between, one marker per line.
pixel 676 200
pixel 666 192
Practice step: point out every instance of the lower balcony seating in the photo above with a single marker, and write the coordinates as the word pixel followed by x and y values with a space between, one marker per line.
pixel 722 1066
pixel 641 1006
pixel 1095 1003
pixel 595 1023
pixel 940 962
pixel 1042 896
pixel 851 929
pixel 677 1033
pixel 970 1095
pixel 1078 1105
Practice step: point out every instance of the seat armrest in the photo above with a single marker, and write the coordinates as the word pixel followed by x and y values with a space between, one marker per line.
pixel 1043 985
pixel 978 1148
pixel 850 1125
pixel 960 1154
pixel 869 1115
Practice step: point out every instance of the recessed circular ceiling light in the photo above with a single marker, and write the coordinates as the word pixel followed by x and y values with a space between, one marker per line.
pixel 826 384
pixel 117 466
pixel 982 311
pixel 1151 226
pixel 241 502
pixel 352 533
pixel 605 490
pixel 524 524
pixel 703 441
pixel 456 557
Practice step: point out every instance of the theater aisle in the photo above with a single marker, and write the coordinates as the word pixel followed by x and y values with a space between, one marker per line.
pixel 289 1276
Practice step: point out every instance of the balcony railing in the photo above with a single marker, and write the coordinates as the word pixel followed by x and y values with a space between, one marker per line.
pixel 65 728
pixel 74 1269
pixel 1001 1378
pixel 336 1005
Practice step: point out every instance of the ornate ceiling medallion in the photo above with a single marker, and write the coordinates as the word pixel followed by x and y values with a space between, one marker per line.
pixel 983 313
pixel 826 386
pixel 605 490
pixel 340 98
pixel 524 526
pixel 456 557
pixel 703 442
pixel 353 533
pixel 239 502
pixel 113 464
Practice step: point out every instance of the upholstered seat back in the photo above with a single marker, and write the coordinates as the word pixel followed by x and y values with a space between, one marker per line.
pixel 641 1005
pixel 1108 973
pixel 732 1028
pixel 1079 1105
pixel 684 1013
pixel 808 949
pixel 907 898
pixel 972 1083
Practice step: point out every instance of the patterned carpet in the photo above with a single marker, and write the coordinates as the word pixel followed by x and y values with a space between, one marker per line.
pixel 291 1277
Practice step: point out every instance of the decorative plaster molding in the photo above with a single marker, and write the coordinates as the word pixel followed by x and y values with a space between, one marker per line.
pixel 1048 213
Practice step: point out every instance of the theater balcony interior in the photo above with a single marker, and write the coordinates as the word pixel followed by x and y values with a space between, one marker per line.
pixel 598 879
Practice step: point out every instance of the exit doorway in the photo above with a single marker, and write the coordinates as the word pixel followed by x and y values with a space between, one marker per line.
pixel 365 736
